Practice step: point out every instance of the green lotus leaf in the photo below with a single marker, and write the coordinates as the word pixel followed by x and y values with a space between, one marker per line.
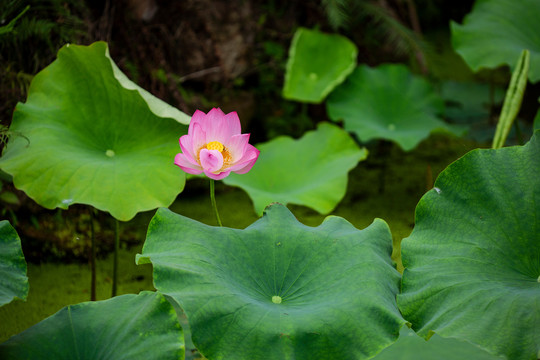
pixel 143 326
pixel 317 63
pixel 387 102
pixel 13 280
pixel 495 33
pixel 278 289
pixel 410 346
pixel 311 171
pixel 88 139
pixel 472 262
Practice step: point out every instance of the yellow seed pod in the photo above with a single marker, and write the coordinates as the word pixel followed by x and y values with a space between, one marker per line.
pixel 215 145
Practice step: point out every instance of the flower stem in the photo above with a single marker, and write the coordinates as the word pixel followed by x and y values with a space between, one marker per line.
pixel 115 259
pixel 213 198
pixel 92 258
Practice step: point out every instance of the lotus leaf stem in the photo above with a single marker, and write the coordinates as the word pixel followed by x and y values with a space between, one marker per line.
pixel 115 261
pixel 92 257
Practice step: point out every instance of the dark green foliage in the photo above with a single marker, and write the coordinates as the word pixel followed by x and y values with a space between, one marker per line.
pixel 35 30
pixel 378 25
pixel 40 31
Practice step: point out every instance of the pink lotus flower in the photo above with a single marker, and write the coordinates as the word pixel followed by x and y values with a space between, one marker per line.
pixel 215 146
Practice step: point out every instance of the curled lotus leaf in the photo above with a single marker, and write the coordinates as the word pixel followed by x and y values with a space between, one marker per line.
pixel 317 63
pixel 93 139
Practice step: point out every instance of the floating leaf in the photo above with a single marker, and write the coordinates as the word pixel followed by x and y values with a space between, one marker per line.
pixel 387 102
pixel 90 140
pixel 13 280
pixel 472 262
pixel 311 171
pixel 317 63
pixel 143 326
pixel 495 33
pixel 278 289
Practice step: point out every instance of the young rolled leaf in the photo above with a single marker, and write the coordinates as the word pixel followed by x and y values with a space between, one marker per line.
pixel 472 262
pixel 143 326
pixel 311 171
pixel 13 279
pixel 388 102
pixel 89 138
pixel 278 289
pixel 317 63
pixel 512 101
pixel 495 33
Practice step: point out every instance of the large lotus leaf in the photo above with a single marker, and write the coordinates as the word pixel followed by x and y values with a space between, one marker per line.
pixel 13 280
pixel 387 102
pixel 472 262
pixel 495 33
pixel 90 140
pixel 143 326
pixel 410 346
pixel 278 289
pixel 311 171
pixel 317 63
